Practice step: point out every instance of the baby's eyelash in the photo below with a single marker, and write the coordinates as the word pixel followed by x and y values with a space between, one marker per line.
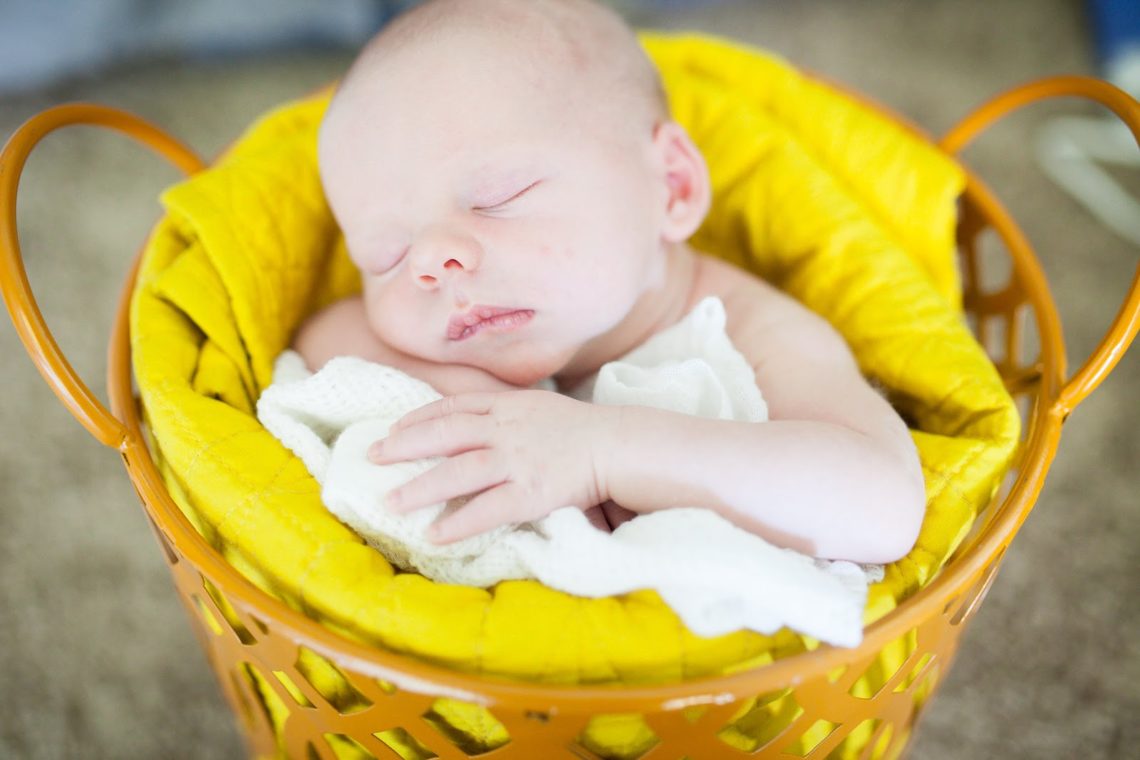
pixel 516 196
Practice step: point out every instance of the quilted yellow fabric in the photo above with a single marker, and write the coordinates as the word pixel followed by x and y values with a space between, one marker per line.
pixel 828 200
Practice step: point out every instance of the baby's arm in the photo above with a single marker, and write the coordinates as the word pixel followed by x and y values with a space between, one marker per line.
pixel 342 330
pixel 834 473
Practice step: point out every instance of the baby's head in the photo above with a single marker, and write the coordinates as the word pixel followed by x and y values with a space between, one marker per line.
pixel 509 157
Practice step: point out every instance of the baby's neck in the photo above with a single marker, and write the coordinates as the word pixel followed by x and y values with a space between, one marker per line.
pixel 654 311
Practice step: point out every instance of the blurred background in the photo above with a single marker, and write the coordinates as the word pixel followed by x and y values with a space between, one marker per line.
pixel 96 658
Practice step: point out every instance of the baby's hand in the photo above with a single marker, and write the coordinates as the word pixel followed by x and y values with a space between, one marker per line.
pixel 522 454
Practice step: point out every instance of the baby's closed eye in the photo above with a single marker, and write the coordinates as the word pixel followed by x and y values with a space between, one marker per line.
pixel 376 257
pixel 497 201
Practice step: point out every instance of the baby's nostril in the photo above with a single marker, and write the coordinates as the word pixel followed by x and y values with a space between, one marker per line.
pixel 452 264
pixel 427 279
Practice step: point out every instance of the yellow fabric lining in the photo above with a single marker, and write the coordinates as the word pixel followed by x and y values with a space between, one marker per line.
pixel 831 202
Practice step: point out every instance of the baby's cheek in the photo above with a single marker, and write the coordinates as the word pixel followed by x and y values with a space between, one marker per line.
pixel 557 254
pixel 392 321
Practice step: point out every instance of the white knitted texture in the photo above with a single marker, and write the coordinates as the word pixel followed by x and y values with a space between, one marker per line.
pixel 718 578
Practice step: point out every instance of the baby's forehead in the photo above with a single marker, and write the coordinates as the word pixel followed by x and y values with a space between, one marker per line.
pixel 574 47
pixel 453 106
pixel 471 54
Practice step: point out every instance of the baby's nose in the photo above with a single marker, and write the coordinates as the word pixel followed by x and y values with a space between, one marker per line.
pixel 439 254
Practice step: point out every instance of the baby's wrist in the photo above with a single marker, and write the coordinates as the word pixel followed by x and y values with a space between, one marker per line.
pixel 605 427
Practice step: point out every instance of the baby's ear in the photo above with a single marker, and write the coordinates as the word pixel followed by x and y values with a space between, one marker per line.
pixel 686 176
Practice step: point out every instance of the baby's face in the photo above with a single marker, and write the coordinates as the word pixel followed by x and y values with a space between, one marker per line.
pixel 498 219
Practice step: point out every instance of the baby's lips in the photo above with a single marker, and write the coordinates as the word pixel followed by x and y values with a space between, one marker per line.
pixel 460 321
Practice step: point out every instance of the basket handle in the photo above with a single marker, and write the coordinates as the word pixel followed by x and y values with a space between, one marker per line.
pixel 1127 321
pixel 18 296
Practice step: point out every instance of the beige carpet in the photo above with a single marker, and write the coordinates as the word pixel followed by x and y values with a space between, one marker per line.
pixel 96 659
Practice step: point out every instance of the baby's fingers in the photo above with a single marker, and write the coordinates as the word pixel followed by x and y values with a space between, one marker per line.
pixel 438 437
pixel 465 474
pixel 490 509
pixel 466 403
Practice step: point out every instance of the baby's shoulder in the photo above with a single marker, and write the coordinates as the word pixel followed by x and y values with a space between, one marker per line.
pixel 760 318
pixel 745 296
pixel 716 277
pixel 340 329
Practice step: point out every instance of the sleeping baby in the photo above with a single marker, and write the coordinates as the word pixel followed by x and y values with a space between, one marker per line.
pixel 518 201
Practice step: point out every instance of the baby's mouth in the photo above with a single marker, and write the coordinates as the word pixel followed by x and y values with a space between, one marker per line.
pixel 480 318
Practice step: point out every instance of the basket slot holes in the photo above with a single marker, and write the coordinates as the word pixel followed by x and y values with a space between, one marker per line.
pixel 1022 383
pixel 950 603
pixel 915 673
pixel 972 321
pixel 1024 404
pixel 1015 337
pixel 329 682
pixel 891 660
pixel 406 746
pixel 992 335
pixel 291 687
pixel 1022 375
pixel 207 616
pixel 257 688
pixel 977 593
pixel 1029 354
pixel 171 556
pixel 968 231
pixel 923 690
pixel 995 265
pixel 239 684
pixel 880 739
pixel 228 613
pixel 445 713
pixel 345 746
pixel 1003 490
pixel 629 731
pixel 812 738
pixel 1015 347
pixel 761 721
pixel 686 730
pixel 982 523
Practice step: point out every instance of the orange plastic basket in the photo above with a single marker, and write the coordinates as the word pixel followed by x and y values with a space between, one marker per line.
pixel 242 628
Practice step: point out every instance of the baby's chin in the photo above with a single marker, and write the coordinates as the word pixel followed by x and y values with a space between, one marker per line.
pixel 523 372
pixel 522 376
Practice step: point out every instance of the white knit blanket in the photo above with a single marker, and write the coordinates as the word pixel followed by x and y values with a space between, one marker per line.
pixel 718 578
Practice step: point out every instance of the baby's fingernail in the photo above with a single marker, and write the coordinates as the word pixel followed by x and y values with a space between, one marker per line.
pixel 376 450
pixel 435 533
pixel 392 500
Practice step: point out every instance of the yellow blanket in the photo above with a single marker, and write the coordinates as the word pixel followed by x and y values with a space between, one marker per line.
pixel 829 201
